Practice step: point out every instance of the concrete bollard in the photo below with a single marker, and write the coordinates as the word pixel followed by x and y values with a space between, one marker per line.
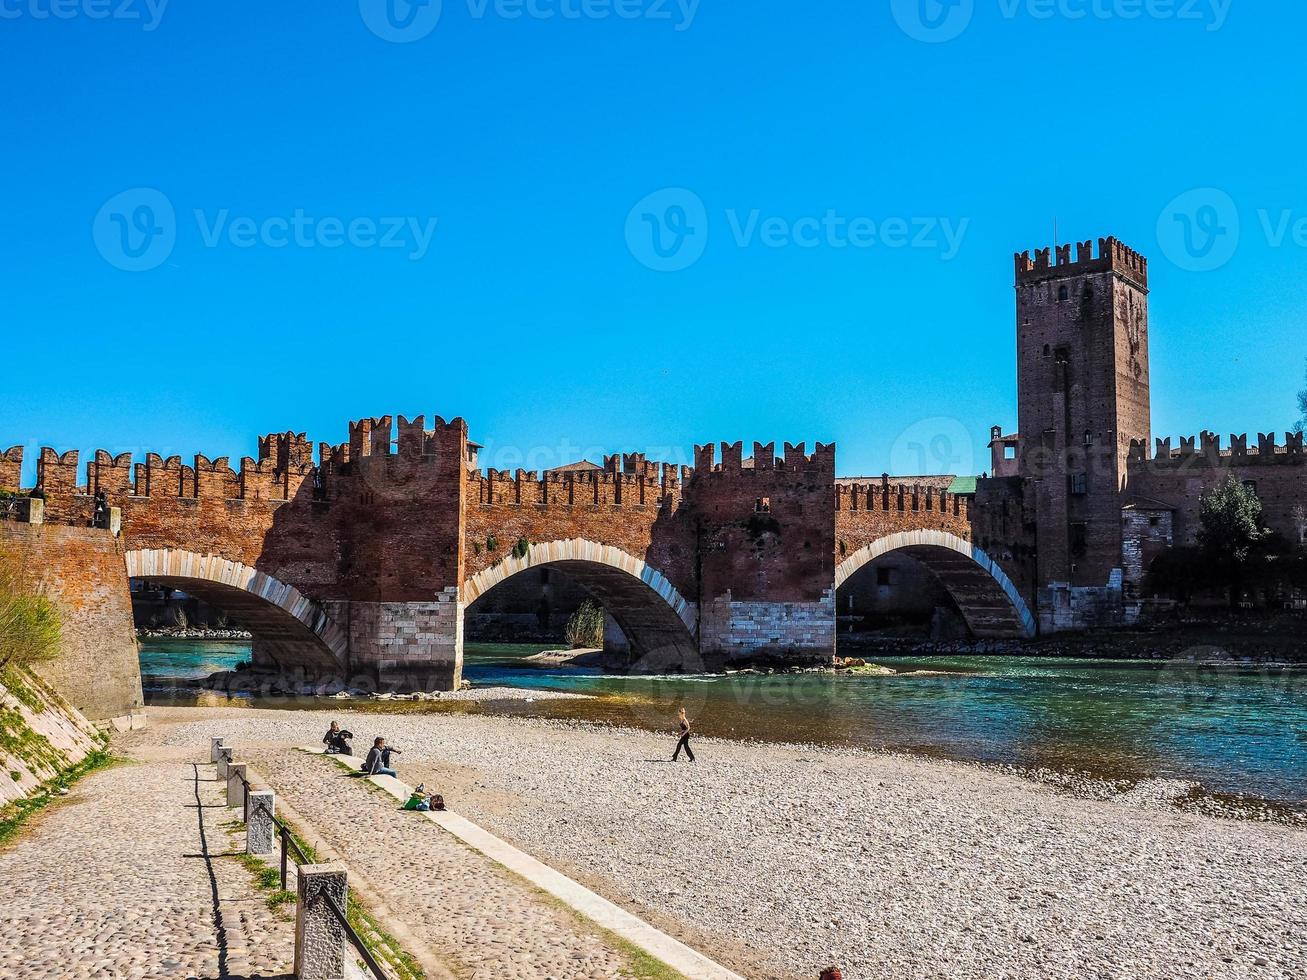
pixel 225 755
pixel 235 788
pixel 319 938
pixel 260 831
pixel 214 745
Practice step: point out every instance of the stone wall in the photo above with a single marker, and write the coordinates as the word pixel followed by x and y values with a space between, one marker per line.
pixel 767 565
pixel 1177 476
pixel 43 735
pixel 82 571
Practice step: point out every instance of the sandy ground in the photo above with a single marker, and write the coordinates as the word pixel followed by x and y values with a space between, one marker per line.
pixel 778 860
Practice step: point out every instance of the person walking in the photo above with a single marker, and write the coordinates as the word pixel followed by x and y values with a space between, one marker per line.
pixel 683 723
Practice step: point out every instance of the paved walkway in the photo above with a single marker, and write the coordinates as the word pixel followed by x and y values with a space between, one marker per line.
pixel 481 920
pixel 125 879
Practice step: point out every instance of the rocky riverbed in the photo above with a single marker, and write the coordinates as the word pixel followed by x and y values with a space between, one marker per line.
pixel 782 859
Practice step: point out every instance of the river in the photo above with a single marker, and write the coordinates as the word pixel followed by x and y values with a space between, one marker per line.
pixel 1237 730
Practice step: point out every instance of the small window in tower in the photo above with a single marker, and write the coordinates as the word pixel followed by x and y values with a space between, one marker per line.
pixel 1009 452
pixel 1089 438
pixel 762 505
pixel 1079 540
pixel 1153 520
pixel 1063 294
pixel 1062 355
pixel 1047 350
pixel 1079 484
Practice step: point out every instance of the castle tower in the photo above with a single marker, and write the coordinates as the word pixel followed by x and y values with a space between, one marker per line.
pixel 1082 393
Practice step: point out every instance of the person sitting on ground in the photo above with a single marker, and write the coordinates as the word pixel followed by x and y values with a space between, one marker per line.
pixel 337 741
pixel 378 761
pixel 420 799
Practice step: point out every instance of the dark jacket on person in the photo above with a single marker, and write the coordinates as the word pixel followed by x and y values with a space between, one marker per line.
pixel 377 760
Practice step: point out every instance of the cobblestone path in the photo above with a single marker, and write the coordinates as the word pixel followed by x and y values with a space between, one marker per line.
pixel 483 921
pixel 125 880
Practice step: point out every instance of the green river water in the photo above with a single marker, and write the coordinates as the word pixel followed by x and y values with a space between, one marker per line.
pixel 1232 729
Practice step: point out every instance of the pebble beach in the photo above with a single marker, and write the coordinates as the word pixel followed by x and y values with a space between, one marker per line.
pixel 780 860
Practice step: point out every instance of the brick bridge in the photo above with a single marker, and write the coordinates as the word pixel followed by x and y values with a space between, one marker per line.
pixel 358 567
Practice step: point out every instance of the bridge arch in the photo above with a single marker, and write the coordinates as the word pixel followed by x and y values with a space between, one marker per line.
pixel 658 621
pixel 290 629
pixel 988 599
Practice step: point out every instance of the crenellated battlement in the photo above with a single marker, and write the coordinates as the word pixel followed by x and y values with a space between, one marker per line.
pixel 1055 263
pixel 1206 449
pixel 11 469
pixel 649 484
pixel 764 459
pixel 900 498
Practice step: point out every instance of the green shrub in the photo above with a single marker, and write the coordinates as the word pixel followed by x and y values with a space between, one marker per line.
pixel 585 627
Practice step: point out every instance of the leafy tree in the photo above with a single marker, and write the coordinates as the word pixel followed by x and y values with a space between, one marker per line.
pixel 29 621
pixel 1302 410
pixel 585 628
pixel 1230 515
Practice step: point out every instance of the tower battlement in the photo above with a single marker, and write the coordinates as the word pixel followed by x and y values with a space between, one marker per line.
pixel 1112 255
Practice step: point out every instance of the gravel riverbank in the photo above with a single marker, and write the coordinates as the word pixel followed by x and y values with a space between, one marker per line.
pixel 781 859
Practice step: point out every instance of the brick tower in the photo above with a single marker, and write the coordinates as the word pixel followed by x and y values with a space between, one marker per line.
pixel 1082 394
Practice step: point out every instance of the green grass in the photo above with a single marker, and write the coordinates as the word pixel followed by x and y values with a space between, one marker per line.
pixel 16 815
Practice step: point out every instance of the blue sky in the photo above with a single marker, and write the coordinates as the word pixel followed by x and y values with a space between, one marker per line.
pixel 529 133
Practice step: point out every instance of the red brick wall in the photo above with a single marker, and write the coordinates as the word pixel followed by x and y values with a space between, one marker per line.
pixel 82 571
pixel 783 554
pixel 642 514
pixel 1083 396
pixel 865 513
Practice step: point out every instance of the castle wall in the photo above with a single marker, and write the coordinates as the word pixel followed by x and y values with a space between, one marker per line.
pixel 1083 396
pixel 82 572
pixel 767 568
pixel 1178 477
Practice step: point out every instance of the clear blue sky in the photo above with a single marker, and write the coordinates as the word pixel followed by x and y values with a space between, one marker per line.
pixel 530 139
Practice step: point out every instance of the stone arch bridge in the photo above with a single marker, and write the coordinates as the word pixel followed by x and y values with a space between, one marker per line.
pixel 353 562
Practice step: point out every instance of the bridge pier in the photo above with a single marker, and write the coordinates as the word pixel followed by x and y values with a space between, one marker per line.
pixel 403 646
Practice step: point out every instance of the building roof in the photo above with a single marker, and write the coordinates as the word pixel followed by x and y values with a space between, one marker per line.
pixel 580 466
pixel 1137 501
pixel 937 481
pixel 963 485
